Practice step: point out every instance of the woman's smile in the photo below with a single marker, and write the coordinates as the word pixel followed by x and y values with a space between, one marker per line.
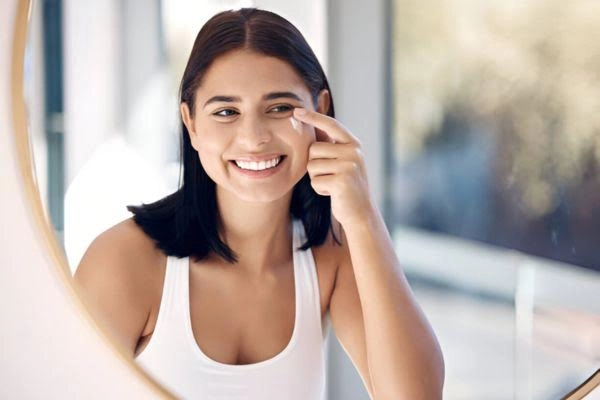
pixel 261 168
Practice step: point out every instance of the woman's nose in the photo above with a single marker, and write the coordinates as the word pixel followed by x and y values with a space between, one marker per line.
pixel 253 131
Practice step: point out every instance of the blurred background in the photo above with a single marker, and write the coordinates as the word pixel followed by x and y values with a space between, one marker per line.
pixel 481 132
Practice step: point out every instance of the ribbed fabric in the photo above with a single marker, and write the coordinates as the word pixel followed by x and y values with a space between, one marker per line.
pixel 175 360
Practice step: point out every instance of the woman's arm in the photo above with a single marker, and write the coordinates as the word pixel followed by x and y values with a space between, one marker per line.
pixel 373 310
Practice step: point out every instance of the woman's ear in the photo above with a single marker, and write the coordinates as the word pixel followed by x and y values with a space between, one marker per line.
pixel 323 101
pixel 188 121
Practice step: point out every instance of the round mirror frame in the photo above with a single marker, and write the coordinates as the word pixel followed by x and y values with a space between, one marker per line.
pixel 25 160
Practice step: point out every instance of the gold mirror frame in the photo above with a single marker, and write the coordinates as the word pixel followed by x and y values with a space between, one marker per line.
pixel 42 225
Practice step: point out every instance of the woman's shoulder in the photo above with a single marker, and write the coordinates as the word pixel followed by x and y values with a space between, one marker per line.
pixel 332 251
pixel 119 277
pixel 124 258
pixel 328 257
pixel 128 242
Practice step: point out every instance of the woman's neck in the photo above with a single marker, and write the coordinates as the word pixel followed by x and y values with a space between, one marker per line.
pixel 259 233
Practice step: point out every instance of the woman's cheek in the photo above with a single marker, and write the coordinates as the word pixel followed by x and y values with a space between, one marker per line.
pixel 210 147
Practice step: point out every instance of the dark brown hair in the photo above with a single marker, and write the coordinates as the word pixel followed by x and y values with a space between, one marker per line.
pixel 185 223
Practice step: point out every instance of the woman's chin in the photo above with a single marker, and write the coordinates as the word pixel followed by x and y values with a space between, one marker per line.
pixel 262 197
pixel 256 195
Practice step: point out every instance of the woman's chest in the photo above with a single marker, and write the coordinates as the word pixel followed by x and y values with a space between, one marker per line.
pixel 237 319
pixel 245 321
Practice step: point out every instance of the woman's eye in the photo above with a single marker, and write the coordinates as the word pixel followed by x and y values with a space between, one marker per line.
pixel 227 112
pixel 282 108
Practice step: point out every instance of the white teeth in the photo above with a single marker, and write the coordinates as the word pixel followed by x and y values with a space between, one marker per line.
pixel 258 166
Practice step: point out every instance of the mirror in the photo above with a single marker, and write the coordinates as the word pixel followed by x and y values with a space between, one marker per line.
pixel 107 136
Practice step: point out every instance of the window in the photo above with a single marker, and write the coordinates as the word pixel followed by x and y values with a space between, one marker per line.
pixel 495 187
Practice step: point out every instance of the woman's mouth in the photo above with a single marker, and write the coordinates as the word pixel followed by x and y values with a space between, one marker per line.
pixel 258 165
pixel 259 169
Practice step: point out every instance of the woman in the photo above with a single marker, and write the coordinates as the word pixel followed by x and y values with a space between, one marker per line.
pixel 224 288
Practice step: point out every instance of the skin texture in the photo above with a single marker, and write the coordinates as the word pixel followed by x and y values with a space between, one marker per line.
pixel 362 285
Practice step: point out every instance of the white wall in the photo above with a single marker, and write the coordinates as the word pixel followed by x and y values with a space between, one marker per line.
pixel 91 48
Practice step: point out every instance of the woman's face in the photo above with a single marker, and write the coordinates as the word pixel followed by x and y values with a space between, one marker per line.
pixel 243 129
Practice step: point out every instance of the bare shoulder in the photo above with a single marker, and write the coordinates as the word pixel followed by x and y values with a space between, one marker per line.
pixel 334 254
pixel 334 250
pixel 328 258
pixel 120 276
pixel 123 249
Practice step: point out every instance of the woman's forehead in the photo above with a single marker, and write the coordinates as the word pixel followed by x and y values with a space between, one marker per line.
pixel 246 73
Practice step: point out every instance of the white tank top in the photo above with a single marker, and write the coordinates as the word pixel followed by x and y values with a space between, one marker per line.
pixel 176 361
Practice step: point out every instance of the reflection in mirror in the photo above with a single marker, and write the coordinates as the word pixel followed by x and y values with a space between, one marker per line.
pixel 472 158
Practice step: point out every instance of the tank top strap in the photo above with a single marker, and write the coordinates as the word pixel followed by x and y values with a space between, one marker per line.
pixel 308 281
pixel 171 315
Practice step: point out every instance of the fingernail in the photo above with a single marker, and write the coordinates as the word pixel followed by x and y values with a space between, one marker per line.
pixel 299 111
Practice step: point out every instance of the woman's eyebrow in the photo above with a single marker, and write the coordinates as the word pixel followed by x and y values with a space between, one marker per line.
pixel 268 96
pixel 277 95
pixel 227 99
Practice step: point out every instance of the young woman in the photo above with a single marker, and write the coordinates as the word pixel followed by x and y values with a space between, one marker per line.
pixel 224 289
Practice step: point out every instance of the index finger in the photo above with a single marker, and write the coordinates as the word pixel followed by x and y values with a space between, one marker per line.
pixel 328 125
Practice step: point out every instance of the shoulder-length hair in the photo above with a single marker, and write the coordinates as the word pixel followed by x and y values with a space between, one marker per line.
pixel 186 222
